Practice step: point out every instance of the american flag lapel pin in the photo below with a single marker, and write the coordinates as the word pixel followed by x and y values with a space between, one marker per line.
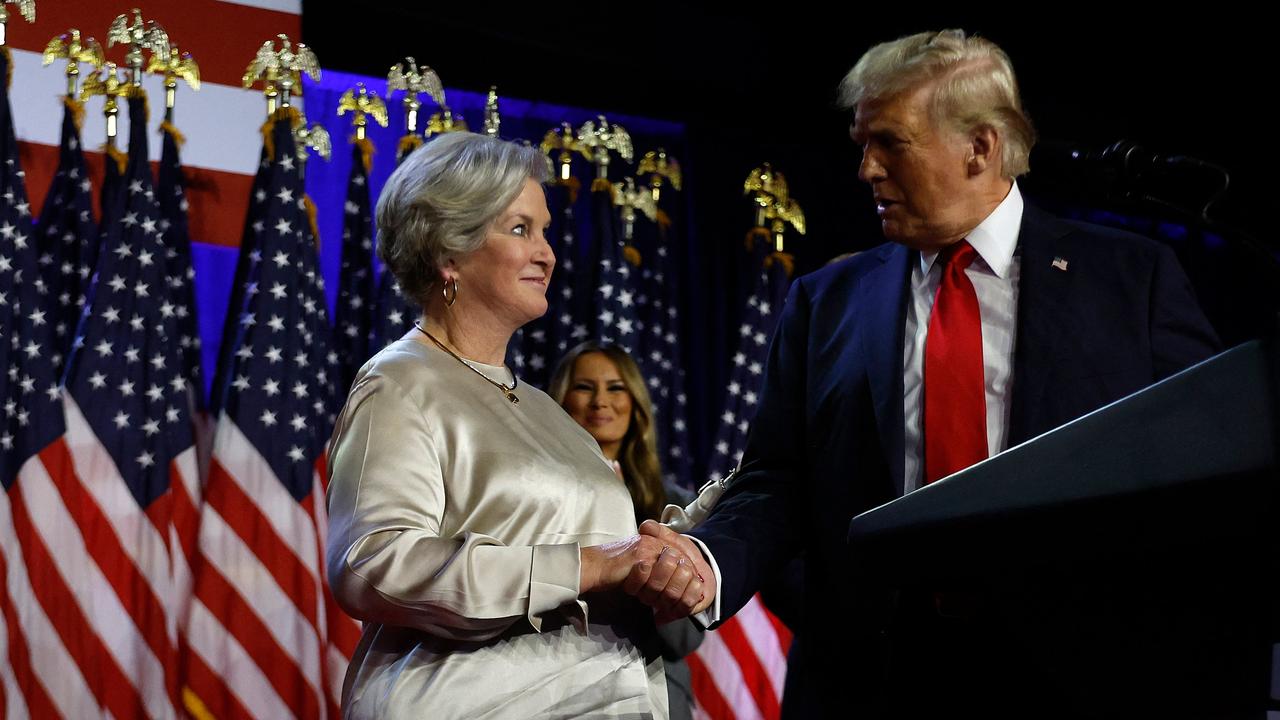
pixel 1060 264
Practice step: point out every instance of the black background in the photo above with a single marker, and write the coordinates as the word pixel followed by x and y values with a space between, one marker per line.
pixel 759 84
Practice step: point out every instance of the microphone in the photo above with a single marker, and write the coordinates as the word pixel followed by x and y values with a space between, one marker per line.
pixel 1126 170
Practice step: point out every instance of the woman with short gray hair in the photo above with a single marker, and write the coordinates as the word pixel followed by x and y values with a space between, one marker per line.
pixel 475 528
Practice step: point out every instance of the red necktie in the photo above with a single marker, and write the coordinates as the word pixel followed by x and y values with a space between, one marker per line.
pixel 955 406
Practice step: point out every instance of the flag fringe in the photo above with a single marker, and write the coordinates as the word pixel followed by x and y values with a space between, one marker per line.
pixel 407 144
pixel 137 91
pixel 120 157
pixel 366 152
pixel 573 185
pixel 195 706
pixel 76 109
pixel 289 114
pixel 174 133
pixel 311 219
pixel 631 255
pixel 757 233
pixel 788 261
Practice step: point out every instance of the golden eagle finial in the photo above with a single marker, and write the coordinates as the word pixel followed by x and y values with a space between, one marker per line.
pixel 138 36
pixel 71 47
pixel 602 138
pixel 281 70
pixel 660 167
pixel 363 104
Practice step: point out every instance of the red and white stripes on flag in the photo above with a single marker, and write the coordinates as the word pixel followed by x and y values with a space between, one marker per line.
pixel 259 629
pixel 264 638
pixel 739 670
pixel 90 600
pixel 127 592
pixel 92 605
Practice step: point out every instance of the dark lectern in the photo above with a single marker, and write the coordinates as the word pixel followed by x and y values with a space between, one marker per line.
pixel 1129 559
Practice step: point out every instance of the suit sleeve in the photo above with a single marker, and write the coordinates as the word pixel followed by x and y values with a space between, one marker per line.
pixel 754 530
pixel 1180 334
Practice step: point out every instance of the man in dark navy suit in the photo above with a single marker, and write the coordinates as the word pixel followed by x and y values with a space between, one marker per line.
pixel 983 323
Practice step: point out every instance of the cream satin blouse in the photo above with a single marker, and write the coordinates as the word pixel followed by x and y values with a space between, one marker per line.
pixel 456 519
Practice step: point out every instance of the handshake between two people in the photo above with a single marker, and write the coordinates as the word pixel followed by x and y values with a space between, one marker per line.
pixel 660 567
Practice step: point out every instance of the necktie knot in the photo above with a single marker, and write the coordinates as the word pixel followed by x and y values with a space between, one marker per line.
pixel 957 255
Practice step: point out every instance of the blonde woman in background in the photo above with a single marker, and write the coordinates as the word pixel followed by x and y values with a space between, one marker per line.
pixel 601 388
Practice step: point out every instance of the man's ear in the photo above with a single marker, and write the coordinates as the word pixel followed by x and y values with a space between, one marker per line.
pixel 984 150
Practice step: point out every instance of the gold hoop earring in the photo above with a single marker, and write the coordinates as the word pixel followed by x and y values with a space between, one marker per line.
pixel 450 299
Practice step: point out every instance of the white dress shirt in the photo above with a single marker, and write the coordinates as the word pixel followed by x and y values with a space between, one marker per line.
pixel 994 274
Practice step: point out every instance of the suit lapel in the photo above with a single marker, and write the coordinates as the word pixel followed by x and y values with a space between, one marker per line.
pixel 1044 297
pixel 882 297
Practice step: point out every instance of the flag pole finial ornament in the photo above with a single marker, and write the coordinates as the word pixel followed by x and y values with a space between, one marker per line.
pixel 492 120
pixel 775 208
pixel 362 104
pixel 106 81
pixel 313 137
pixel 26 8
pixel 414 81
pixel 601 138
pixel 174 65
pixel 139 36
pixel 306 139
pixel 564 139
pixel 280 71
pixel 629 198
pixel 74 49
pixel 661 168
pixel 444 121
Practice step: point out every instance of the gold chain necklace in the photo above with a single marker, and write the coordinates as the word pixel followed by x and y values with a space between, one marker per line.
pixel 507 391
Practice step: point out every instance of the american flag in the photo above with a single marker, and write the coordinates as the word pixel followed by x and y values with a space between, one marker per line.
pixel 565 327
pixel 353 314
pixel 265 637
pixel 67 236
pixel 747 373
pixel 94 584
pixel 617 301
pixel 254 222
pixel 616 307
pixel 659 345
pixel 739 670
pixel 542 342
pixel 31 421
pixel 394 314
pixel 172 192
pixel 110 195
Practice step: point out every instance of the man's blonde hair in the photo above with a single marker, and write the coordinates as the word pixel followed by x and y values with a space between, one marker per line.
pixel 975 86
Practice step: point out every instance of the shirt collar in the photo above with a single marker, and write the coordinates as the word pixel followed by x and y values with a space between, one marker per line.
pixel 995 238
